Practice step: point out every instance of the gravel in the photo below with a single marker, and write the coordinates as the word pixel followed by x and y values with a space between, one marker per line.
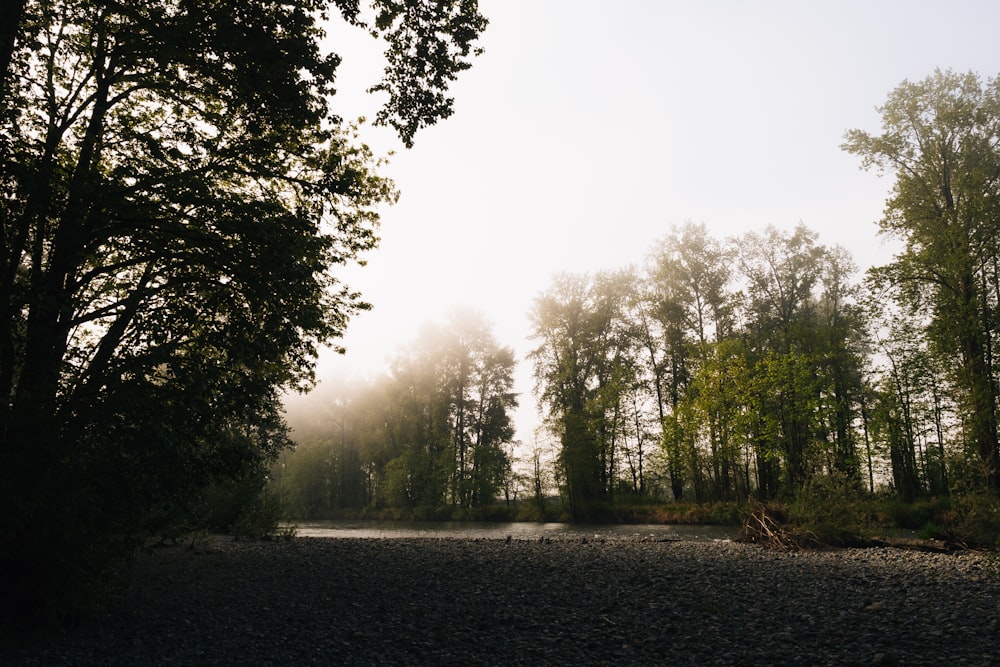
pixel 315 601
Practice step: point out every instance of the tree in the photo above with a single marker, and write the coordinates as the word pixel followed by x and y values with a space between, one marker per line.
pixel 660 361
pixel 176 193
pixel 585 366
pixel 842 337
pixel 431 436
pixel 689 277
pixel 804 341
pixel 941 139
pixel 564 367
pixel 472 376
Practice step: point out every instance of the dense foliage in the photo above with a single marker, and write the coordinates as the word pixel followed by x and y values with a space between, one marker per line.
pixel 430 438
pixel 176 189
pixel 755 365
pixel 739 392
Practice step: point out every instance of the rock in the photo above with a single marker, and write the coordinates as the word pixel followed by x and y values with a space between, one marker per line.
pixel 500 601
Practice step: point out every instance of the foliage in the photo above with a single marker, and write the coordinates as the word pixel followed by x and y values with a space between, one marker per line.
pixel 828 511
pixel 969 520
pixel 677 513
pixel 758 365
pixel 915 515
pixel 832 510
pixel 431 438
pixel 755 356
pixel 428 45
pixel 177 192
pixel 261 519
pixel 939 139
pixel 746 393
pixel 586 369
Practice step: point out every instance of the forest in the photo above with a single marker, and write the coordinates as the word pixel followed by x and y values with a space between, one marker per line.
pixel 764 366
pixel 180 194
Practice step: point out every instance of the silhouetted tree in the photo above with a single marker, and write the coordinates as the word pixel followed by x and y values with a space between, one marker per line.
pixel 176 190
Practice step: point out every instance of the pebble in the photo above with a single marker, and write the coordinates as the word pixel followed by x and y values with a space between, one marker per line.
pixel 539 602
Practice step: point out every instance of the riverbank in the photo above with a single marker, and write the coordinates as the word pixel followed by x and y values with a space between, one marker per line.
pixel 556 602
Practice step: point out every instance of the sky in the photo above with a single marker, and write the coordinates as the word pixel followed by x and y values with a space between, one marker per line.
pixel 587 129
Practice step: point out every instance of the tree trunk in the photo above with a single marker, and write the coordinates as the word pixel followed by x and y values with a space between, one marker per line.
pixel 11 14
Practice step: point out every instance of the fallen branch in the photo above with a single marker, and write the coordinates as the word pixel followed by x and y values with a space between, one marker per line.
pixel 766 527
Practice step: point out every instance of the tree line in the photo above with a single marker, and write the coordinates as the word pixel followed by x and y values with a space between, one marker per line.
pixel 753 365
pixel 431 437
pixel 736 366
pixel 749 367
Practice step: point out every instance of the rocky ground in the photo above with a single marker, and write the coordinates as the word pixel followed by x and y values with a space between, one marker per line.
pixel 312 601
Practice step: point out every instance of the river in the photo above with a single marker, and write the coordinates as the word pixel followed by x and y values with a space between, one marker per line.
pixel 518 530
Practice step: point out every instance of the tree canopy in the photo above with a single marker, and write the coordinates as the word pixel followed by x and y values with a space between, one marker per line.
pixel 177 192
pixel 941 141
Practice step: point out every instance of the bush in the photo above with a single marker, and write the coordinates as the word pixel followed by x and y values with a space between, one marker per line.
pixel 833 510
pixel 261 519
pixel 549 509
pixel 970 520
pixel 912 516
pixel 716 514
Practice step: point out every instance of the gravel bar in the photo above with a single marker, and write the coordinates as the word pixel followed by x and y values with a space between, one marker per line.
pixel 315 601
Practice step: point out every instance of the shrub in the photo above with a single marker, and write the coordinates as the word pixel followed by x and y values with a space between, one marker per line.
pixel 832 509
pixel 970 520
pixel 261 519
pixel 913 516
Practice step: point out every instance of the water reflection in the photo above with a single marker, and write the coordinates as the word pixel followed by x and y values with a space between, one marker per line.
pixel 517 531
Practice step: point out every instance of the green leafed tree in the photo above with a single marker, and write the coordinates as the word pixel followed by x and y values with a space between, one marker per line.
pixel 176 192
pixel 456 384
pixel 689 276
pixel 585 366
pixel 564 367
pixel 940 140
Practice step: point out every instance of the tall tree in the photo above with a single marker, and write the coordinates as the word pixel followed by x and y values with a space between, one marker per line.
pixel 690 275
pixel 842 338
pixel 659 361
pixel 782 271
pixel 941 139
pixel 566 362
pixel 176 192
pixel 478 376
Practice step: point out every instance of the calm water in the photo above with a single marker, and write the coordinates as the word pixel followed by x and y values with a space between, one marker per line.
pixel 519 530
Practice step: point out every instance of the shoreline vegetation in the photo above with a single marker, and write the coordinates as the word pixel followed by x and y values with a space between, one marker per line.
pixel 818 520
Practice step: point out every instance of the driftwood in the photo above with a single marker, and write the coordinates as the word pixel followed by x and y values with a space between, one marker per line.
pixel 768 528
pixel 915 544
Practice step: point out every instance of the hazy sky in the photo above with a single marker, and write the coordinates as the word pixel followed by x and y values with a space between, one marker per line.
pixel 588 128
